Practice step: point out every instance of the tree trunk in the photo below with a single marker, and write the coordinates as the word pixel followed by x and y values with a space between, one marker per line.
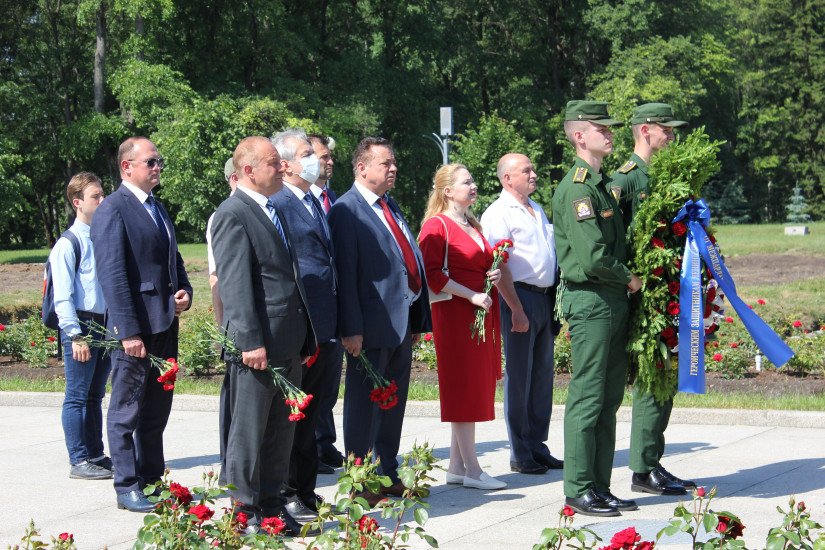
pixel 100 58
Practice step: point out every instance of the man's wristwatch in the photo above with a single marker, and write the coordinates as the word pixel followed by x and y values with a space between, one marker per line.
pixel 78 338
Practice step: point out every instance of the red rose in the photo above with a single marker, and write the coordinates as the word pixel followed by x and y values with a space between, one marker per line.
pixel 734 345
pixel 730 526
pixel 801 506
pixel 625 538
pixel 761 302
pixel 568 511
pixel 202 512
pixel 728 319
pixel 272 525
pixel 2 327
pixel 67 537
pixel 796 324
pixel 644 545
pixel 679 229
pixel 657 242
pixel 658 271
pixel 668 333
pixel 181 493
pixel 242 520
pixel 673 287
pixel 428 337
pixel 33 344
pixel 717 357
pixel 721 526
pixel 700 492
pixel 673 308
pixel 358 461
pixel 51 338
pixel 367 524
pixel 716 344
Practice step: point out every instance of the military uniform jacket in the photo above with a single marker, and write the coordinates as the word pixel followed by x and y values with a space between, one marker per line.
pixel 629 187
pixel 590 236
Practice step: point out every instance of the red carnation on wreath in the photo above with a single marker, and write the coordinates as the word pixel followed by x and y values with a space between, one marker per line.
pixel 679 229
pixel 657 242
pixel 658 271
pixel 673 308
pixel 673 287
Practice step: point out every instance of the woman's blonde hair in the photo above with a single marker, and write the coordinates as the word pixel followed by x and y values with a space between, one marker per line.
pixel 437 203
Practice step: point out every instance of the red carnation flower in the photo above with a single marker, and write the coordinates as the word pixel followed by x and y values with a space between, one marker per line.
pixel 717 357
pixel 673 308
pixel 761 302
pixel 428 337
pixel 679 229
pixel 311 360
pixel 202 512
pixel 295 417
pixel 796 324
pixel 568 511
pixel 672 342
pixel 657 242
pixel 668 333
pixel 305 403
pixel 700 492
pixel 272 525
pixel 658 271
pixel 180 493
pixel 51 338
pixel 673 287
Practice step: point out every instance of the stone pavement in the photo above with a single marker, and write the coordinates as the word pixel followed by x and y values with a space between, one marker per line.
pixel 755 458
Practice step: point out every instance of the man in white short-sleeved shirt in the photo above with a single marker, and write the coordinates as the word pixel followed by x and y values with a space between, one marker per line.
pixel 217 306
pixel 529 327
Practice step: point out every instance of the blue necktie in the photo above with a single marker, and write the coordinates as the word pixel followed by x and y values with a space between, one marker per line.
pixel 317 214
pixel 153 209
pixel 273 215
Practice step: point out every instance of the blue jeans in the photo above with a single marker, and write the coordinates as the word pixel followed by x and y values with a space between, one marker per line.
pixel 82 407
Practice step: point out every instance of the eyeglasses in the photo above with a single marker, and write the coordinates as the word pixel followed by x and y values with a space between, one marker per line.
pixel 152 162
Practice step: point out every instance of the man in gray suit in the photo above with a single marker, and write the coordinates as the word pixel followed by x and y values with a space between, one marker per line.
pixel 265 314
pixel 382 303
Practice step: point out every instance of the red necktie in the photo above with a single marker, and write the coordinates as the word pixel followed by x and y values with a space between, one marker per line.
pixel 327 204
pixel 413 277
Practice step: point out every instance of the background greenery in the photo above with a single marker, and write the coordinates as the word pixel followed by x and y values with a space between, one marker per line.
pixel 77 76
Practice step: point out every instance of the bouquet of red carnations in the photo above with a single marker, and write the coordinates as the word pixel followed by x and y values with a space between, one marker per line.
pixel 500 256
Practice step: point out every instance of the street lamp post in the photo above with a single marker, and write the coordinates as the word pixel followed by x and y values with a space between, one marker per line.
pixel 443 141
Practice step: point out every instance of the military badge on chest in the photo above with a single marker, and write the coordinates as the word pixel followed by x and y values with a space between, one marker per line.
pixel 616 191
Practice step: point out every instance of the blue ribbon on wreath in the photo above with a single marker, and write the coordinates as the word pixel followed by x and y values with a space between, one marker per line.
pixel 698 250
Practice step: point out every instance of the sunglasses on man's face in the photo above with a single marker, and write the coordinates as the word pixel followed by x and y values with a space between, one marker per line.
pixel 151 162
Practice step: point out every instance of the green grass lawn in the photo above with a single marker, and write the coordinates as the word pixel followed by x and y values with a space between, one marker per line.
pixel 741 240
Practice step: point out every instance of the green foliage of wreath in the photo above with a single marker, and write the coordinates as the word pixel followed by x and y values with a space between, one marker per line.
pixel 677 173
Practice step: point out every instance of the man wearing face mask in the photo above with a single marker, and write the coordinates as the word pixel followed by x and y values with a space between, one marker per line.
pixel 310 238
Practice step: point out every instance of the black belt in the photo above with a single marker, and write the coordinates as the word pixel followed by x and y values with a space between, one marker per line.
pixel 534 288
pixel 90 316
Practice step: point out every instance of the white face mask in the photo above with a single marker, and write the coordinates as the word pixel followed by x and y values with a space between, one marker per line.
pixel 311 169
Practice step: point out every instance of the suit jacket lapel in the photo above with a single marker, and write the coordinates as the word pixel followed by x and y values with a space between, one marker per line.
pixel 132 203
pixel 264 220
pixel 377 224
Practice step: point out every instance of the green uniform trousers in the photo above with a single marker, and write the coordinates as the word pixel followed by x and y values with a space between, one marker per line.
pixel 598 319
pixel 647 431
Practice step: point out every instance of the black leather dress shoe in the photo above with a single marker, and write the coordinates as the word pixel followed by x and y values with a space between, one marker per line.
pixel 528 467
pixel 550 461
pixel 616 502
pixel 656 484
pixel 300 511
pixel 332 457
pixel 591 504
pixel 686 483
pixel 324 468
pixel 134 501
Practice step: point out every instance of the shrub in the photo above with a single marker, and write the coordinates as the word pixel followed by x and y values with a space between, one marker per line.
pixel 29 340
pixel 424 351
pixel 198 355
pixel 562 356
pixel 810 353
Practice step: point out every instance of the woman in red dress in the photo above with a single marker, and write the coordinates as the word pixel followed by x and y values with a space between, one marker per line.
pixel 467 368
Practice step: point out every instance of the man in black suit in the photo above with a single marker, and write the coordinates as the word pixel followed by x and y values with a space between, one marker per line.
pixel 310 238
pixel 265 314
pixel 145 286
pixel 329 457
pixel 382 303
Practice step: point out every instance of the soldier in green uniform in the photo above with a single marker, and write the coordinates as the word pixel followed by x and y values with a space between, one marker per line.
pixel 590 246
pixel 653 125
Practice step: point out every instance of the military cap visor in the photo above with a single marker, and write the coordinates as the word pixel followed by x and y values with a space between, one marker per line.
pixel 590 111
pixel 658 113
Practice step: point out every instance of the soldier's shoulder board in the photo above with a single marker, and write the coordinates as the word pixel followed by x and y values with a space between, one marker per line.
pixel 583 209
pixel 627 167
pixel 580 175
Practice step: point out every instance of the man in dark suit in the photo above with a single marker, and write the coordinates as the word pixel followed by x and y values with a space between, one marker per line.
pixel 310 239
pixel 328 456
pixel 382 303
pixel 265 314
pixel 146 288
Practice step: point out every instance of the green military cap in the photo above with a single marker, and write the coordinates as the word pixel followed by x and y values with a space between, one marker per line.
pixel 590 111
pixel 660 113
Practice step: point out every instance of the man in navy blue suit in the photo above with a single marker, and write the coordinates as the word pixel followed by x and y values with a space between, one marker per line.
pixel 310 238
pixel 382 303
pixel 328 456
pixel 145 286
